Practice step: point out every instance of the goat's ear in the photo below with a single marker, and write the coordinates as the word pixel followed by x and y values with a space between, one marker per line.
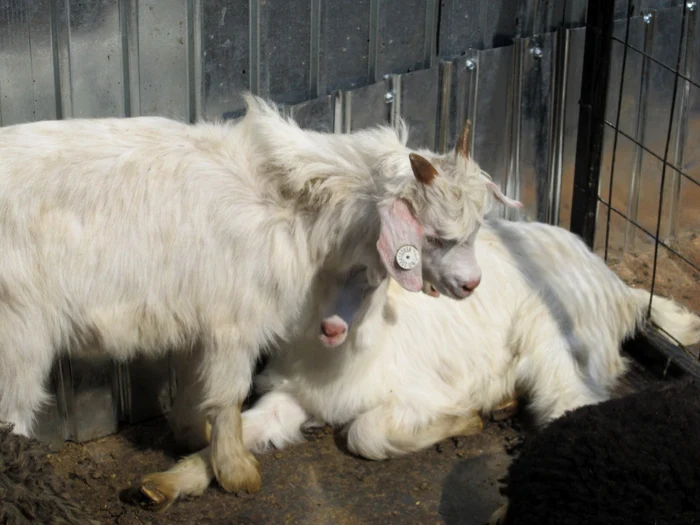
pixel 424 171
pixel 400 241
pixel 498 194
pixel 464 140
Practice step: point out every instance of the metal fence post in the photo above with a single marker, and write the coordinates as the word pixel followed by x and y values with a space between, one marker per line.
pixel 589 146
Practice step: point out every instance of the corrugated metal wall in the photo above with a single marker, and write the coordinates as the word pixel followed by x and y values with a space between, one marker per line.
pixel 513 66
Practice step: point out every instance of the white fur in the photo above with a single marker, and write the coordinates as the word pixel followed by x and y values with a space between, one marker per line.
pixel 140 235
pixel 547 321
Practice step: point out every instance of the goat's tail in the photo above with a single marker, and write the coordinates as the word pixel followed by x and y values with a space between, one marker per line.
pixel 677 323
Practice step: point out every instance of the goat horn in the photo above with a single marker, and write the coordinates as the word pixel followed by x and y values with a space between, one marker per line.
pixel 424 171
pixel 464 140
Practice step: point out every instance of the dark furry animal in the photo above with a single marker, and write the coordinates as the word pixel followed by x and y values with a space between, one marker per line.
pixel 30 492
pixel 633 460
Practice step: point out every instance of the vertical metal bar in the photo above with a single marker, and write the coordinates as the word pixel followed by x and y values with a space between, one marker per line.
pixel 515 90
pixel 676 80
pixel 132 73
pixel 557 125
pixel 194 59
pixel 472 95
pixel 53 23
pixel 346 109
pixel 431 34
pixel 373 53
pixel 126 72
pixel 443 123
pixel 639 135
pixel 64 91
pixel 681 129
pixel 338 112
pixel 393 83
pixel 589 146
pixel 315 88
pixel 254 9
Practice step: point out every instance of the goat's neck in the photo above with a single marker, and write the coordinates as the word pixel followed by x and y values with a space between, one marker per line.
pixel 344 235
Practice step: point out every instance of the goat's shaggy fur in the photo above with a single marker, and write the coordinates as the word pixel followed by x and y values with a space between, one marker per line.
pixel 30 492
pixel 633 460
pixel 547 321
pixel 142 234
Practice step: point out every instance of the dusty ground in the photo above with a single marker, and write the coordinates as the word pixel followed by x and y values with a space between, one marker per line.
pixel 455 482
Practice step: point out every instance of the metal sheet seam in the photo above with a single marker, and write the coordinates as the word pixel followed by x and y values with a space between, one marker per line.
pixel 254 66
pixel 681 128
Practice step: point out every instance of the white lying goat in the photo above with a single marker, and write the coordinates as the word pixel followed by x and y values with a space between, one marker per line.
pixel 139 235
pixel 547 321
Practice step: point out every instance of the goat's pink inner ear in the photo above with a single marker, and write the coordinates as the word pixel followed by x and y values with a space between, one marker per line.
pixel 399 229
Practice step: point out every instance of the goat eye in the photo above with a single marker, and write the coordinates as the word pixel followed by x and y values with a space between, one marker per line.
pixel 435 241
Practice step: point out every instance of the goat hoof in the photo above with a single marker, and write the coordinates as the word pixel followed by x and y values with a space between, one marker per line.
pixel 505 410
pixel 160 493
pixel 239 476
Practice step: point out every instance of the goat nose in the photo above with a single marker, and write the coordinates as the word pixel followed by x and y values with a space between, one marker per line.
pixel 331 329
pixel 471 284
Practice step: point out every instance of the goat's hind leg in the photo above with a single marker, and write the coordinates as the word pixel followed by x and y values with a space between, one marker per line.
pixel 188 421
pixel 26 357
pixel 377 435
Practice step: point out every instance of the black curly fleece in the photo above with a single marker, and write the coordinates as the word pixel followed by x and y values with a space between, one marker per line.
pixel 30 492
pixel 633 460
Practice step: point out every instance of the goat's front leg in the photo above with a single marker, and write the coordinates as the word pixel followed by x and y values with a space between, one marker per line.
pixel 226 374
pixel 275 420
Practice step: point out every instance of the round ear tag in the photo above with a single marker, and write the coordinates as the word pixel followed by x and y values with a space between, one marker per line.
pixel 407 257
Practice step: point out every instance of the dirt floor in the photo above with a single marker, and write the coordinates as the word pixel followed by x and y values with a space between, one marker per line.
pixel 317 482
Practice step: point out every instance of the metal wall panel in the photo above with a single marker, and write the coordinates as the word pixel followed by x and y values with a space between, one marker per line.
pixel 366 106
pixel 538 59
pixel 344 45
pixel 26 93
pixel 574 71
pixel 91 66
pixel 317 114
pixel 405 28
pixel 285 50
pixel 491 127
pixel 225 45
pixel 416 100
pixel 163 75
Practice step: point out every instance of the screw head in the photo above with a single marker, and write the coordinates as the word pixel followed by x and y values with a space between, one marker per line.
pixel 691 5
pixel 389 97
pixel 647 18
pixel 471 64
pixel 537 52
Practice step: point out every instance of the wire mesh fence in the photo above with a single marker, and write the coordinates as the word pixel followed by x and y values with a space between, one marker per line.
pixel 637 181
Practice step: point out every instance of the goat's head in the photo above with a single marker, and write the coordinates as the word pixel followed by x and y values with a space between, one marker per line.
pixel 429 221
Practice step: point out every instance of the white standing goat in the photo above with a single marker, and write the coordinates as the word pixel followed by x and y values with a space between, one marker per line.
pixel 143 234
pixel 547 321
